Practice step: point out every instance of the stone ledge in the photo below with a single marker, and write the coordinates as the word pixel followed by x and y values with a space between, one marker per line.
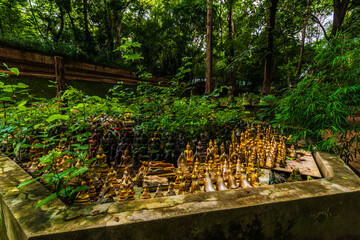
pixel 322 209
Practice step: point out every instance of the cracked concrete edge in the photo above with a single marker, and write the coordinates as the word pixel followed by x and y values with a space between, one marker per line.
pixel 58 218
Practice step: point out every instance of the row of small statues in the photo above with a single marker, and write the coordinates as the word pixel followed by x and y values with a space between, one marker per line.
pixel 240 167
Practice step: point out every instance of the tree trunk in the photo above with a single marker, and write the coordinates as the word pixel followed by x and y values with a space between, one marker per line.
pixel 60 76
pixel 270 46
pixel 231 71
pixel 340 8
pixel 209 55
pixel 73 26
pixel 58 34
pixel 302 43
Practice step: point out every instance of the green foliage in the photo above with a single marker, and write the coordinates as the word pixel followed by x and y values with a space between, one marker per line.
pixel 323 104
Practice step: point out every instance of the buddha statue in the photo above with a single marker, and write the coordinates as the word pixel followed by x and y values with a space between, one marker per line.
pixel 112 178
pixel 92 190
pixel 107 193
pixel 222 149
pixel 178 179
pixel 125 159
pixel 189 154
pixel 126 194
pixel 210 148
pixel 158 192
pixel 292 152
pixel 82 198
pixel 171 191
pixel 243 182
pixel 254 179
pixel 231 181
pixel 210 158
pixel 225 170
pixel 194 187
pixel 231 151
pixel 208 186
pixel 220 186
pixel 100 165
pixel 216 152
pixel 146 193
pixel 182 163
pixel 182 186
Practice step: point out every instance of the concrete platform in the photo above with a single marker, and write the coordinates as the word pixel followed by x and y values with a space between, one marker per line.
pixel 326 208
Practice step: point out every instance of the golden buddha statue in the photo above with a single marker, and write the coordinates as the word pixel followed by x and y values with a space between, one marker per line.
pixel 189 154
pixel 101 167
pixel 231 151
pixel 82 198
pixel 231 181
pixel 220 186
pixel 182 163
pixel 158 192
pixel 292 152
pixel 146 193
pixel 243 182
pixel 254 179
pixel 194 187
pixel 210 158
pixel 111 177
pixel 178 179
pixel 222 149
pixel 182 186
pixel 216 152
pixel 92 190
pixel 126 194
pixel 171 191
pixel 208 186
pixel 210 148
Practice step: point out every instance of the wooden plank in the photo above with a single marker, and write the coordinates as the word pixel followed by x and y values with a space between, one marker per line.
pixel 305 162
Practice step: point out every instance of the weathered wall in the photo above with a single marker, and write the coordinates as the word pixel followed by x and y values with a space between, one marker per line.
pixel 319 209
pixel 40 65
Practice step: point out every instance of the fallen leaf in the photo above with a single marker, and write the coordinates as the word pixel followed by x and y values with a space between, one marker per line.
pixel 95 212
pixel 116 219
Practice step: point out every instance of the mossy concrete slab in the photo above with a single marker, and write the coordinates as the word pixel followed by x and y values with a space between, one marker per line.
pixel 326 208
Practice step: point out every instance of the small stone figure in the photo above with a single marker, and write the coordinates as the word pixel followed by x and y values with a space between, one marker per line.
pixel 295 176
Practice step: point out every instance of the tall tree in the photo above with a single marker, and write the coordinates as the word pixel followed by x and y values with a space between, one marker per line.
pixel 231 53
pixel 302 43
pixel 270 46
pixel 209 49
pixel 340 8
